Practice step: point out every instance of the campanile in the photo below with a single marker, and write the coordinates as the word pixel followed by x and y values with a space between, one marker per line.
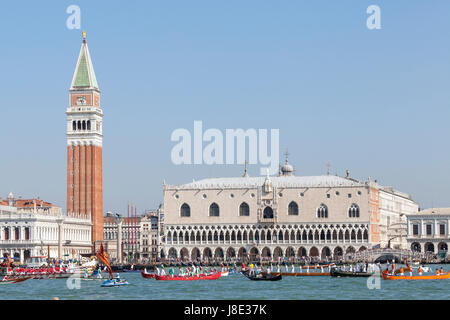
pixel 84 145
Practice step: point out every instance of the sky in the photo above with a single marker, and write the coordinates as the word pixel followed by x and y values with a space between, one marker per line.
pixel 374 102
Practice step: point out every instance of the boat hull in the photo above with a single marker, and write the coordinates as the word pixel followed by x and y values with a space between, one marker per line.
pixel 147 275
pixel 299 274
pixel 263 277
pixel 430 277
pixel 213 276
pixel 338 273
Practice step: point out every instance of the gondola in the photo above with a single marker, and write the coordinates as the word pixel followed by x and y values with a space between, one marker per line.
pixel 299 274
pixel 261 277
pixel 355 274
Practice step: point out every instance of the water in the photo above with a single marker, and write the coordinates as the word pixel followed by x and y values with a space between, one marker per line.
pixel 235 286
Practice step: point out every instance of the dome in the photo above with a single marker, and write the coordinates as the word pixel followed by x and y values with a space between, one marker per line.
pixel 287 169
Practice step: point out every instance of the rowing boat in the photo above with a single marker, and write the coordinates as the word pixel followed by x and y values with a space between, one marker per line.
pixel 213 276
pixel 147 275
pixel 339 273
pixel 430 277
pixel 298 274
pixel 225 273
pixel 14 280
pixel 262 277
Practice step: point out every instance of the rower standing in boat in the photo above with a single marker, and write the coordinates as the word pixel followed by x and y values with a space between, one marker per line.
pixel 420 270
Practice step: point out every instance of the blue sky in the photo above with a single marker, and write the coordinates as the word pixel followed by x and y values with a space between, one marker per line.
pixel 375 102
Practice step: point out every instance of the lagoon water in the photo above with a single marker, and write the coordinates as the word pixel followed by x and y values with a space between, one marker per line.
pixel 233 287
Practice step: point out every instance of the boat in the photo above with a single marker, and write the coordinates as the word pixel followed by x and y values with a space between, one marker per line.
pixel 224 273
pixel 262 277
pixel 213 276
pixel 441 276
pixel 15 280
pixel 355 274
pixel 115 283
pixel 130 270
pixel 147 275
pixel 298 274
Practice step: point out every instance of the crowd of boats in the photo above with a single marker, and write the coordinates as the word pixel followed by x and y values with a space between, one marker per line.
pixel 92 270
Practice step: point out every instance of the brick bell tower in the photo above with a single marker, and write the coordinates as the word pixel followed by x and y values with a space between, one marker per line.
pixel 84 145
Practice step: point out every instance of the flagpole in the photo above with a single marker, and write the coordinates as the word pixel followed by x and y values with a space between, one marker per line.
pixel 135 225
pixel 128 233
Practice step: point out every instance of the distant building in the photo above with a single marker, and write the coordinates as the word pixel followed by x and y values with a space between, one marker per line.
pixel 281 216
pixel 30 227
pixel 140 237
pixel 428 231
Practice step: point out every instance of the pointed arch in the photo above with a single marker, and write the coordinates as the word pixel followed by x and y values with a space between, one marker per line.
pixel 293 209
pixel 244 210
pixel 214 210
pixel 185 210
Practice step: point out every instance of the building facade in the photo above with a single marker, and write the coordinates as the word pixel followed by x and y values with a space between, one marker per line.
pixel 33 227
pixel 84 145
pixel 137 237
pixel 428 231
pixel 273 217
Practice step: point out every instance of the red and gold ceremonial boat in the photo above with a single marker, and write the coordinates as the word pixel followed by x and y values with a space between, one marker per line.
pixel 213 276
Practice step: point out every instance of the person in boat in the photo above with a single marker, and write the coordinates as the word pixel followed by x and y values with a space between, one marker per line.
pixel 402 271
pixel 420 270
pixel 410 271
pixel 293 268
pixel 171 272
pixel 437 272
pixel 442 270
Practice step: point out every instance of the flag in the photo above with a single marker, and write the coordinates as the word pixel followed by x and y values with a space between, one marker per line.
pixel 101 254
pixel 9 260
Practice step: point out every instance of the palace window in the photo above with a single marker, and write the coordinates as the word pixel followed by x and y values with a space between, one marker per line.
pixel 428 229
pixel 293 209
pixel 244 209
pixel 185 210
pixel 353 211
pixel 322 211
pixel 214 210
pixel 442 229
pixel 415 229
pixel 268 213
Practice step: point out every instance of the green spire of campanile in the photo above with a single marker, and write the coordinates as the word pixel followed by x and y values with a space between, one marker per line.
pixel 84 76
